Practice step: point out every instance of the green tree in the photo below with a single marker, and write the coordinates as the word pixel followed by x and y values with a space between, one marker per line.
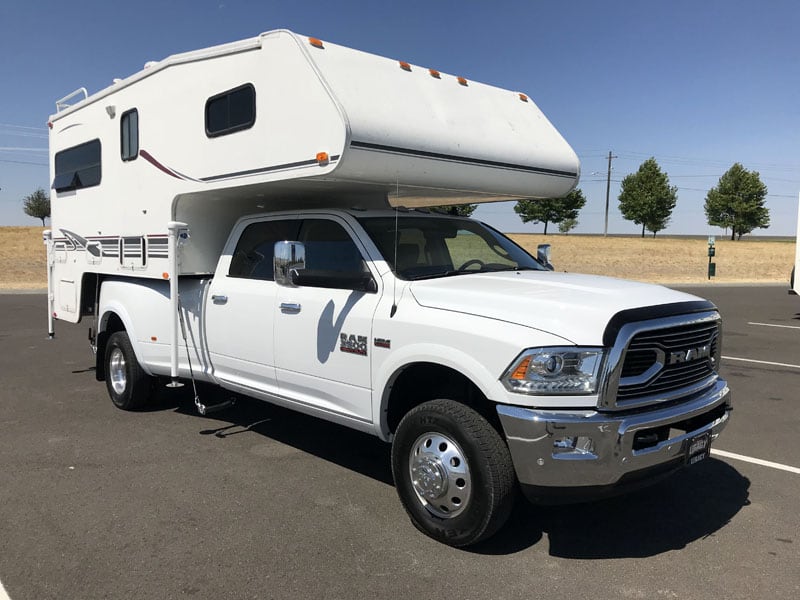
pixel 738 202
pixel 551 210
pixel 567 225
pixel 646 198
pixel 461 210
pixel 37 205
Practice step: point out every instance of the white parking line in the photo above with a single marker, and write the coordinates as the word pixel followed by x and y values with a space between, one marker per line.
pixel 762 362
pixel 3 594
pixel 774 325
pixel 756 461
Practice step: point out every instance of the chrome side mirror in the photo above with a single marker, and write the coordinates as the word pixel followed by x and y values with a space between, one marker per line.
pixel 288 256
pixel 543 255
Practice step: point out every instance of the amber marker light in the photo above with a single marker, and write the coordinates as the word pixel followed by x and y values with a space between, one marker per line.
pixel 165 275
pixel 435 74
pixel 462 81
pixel 316 43
pixel 153 338
pixel 523 97
pixel 322 158
pixel 404 65
pixel 522 369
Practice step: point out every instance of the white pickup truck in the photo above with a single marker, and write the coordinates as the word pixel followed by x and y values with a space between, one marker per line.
pixel 483 368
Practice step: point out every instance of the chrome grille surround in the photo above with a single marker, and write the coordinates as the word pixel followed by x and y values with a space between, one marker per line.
pixel 652 362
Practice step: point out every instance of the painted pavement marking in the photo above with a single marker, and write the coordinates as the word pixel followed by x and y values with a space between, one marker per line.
pixel 756 461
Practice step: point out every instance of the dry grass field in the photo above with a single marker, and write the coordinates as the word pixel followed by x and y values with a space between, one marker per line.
pixel 659 260
pixel 668 259
pixel 22 255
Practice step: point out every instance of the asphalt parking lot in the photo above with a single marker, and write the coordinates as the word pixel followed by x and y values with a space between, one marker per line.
pixel 260 502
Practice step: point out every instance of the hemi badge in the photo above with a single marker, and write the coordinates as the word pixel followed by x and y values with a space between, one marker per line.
pixel 383 343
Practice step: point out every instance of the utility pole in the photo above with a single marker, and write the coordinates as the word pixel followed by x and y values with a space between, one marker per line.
pixel 608 191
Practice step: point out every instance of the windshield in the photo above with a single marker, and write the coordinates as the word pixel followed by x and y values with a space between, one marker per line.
pixel 431 246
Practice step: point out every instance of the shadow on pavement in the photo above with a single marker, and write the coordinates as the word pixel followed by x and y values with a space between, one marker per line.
pixel 692 504
pixel 354 450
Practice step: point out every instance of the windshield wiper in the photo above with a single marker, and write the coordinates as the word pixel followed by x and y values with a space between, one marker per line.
pixel 450 273
pixel 502 269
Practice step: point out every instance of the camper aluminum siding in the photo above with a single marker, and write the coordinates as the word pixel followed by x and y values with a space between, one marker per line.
pixel 311 124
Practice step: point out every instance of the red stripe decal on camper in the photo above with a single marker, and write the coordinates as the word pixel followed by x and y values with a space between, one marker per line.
pixel 259 171
pixel 146 155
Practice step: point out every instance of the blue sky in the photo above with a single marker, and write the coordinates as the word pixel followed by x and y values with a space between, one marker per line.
pixel 697 84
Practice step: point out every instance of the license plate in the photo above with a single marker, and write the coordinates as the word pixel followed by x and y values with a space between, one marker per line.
pixel 699 448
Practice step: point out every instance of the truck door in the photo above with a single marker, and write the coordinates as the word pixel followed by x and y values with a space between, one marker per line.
pixel 240 310
pixel 323 335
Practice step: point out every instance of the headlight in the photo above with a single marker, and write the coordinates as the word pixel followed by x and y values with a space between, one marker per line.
pixel 545 371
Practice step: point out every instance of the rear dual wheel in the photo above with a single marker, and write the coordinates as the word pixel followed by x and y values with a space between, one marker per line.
pixel 453 472
pixel 129 387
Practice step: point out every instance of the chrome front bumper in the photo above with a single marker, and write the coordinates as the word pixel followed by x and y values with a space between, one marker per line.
pixel 580 451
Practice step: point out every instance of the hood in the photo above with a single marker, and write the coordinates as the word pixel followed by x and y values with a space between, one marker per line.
pixel 574 307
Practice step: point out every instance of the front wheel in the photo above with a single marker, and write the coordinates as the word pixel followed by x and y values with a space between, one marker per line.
pixel 453 472
pixel 128 385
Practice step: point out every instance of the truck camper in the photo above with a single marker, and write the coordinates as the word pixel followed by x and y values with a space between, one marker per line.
pixel 257 216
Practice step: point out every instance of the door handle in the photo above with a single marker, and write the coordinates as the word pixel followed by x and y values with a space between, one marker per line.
pixel 219 299
pixel 290 308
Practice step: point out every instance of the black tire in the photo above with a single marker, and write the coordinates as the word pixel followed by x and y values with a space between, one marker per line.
pixel 463 485
pixel 129 387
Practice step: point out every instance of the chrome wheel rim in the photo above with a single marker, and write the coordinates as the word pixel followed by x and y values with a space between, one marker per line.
pixel 116 371
pixel 440 475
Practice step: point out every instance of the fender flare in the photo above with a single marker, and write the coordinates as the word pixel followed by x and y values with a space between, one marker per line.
pixel 438 354
pixel 117 308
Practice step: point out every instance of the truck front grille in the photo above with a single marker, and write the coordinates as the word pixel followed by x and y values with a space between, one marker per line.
pixel 664 363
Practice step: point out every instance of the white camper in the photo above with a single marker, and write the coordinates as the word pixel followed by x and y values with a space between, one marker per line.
pixel 276 121
pixel 232 216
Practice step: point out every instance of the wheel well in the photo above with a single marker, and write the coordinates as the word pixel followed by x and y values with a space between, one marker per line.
pixel 421 382
pixel 112 324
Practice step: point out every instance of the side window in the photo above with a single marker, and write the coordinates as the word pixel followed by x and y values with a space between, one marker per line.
pixel 253 256
pixel 231 111
pixel 330 248
pixel 467 247
pixel 78 167
pixel 129 135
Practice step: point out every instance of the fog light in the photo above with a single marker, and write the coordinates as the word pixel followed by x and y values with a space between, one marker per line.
pixel 580 446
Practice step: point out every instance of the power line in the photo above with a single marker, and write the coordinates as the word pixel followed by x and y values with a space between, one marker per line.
pixel 23 162
pixel 22 127
pixel 22 131
pixel 24 134
pixel 689 160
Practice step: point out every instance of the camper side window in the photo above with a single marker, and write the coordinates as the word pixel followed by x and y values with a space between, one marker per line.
pixel 78 167
pixel 231 111
pixel 129 134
